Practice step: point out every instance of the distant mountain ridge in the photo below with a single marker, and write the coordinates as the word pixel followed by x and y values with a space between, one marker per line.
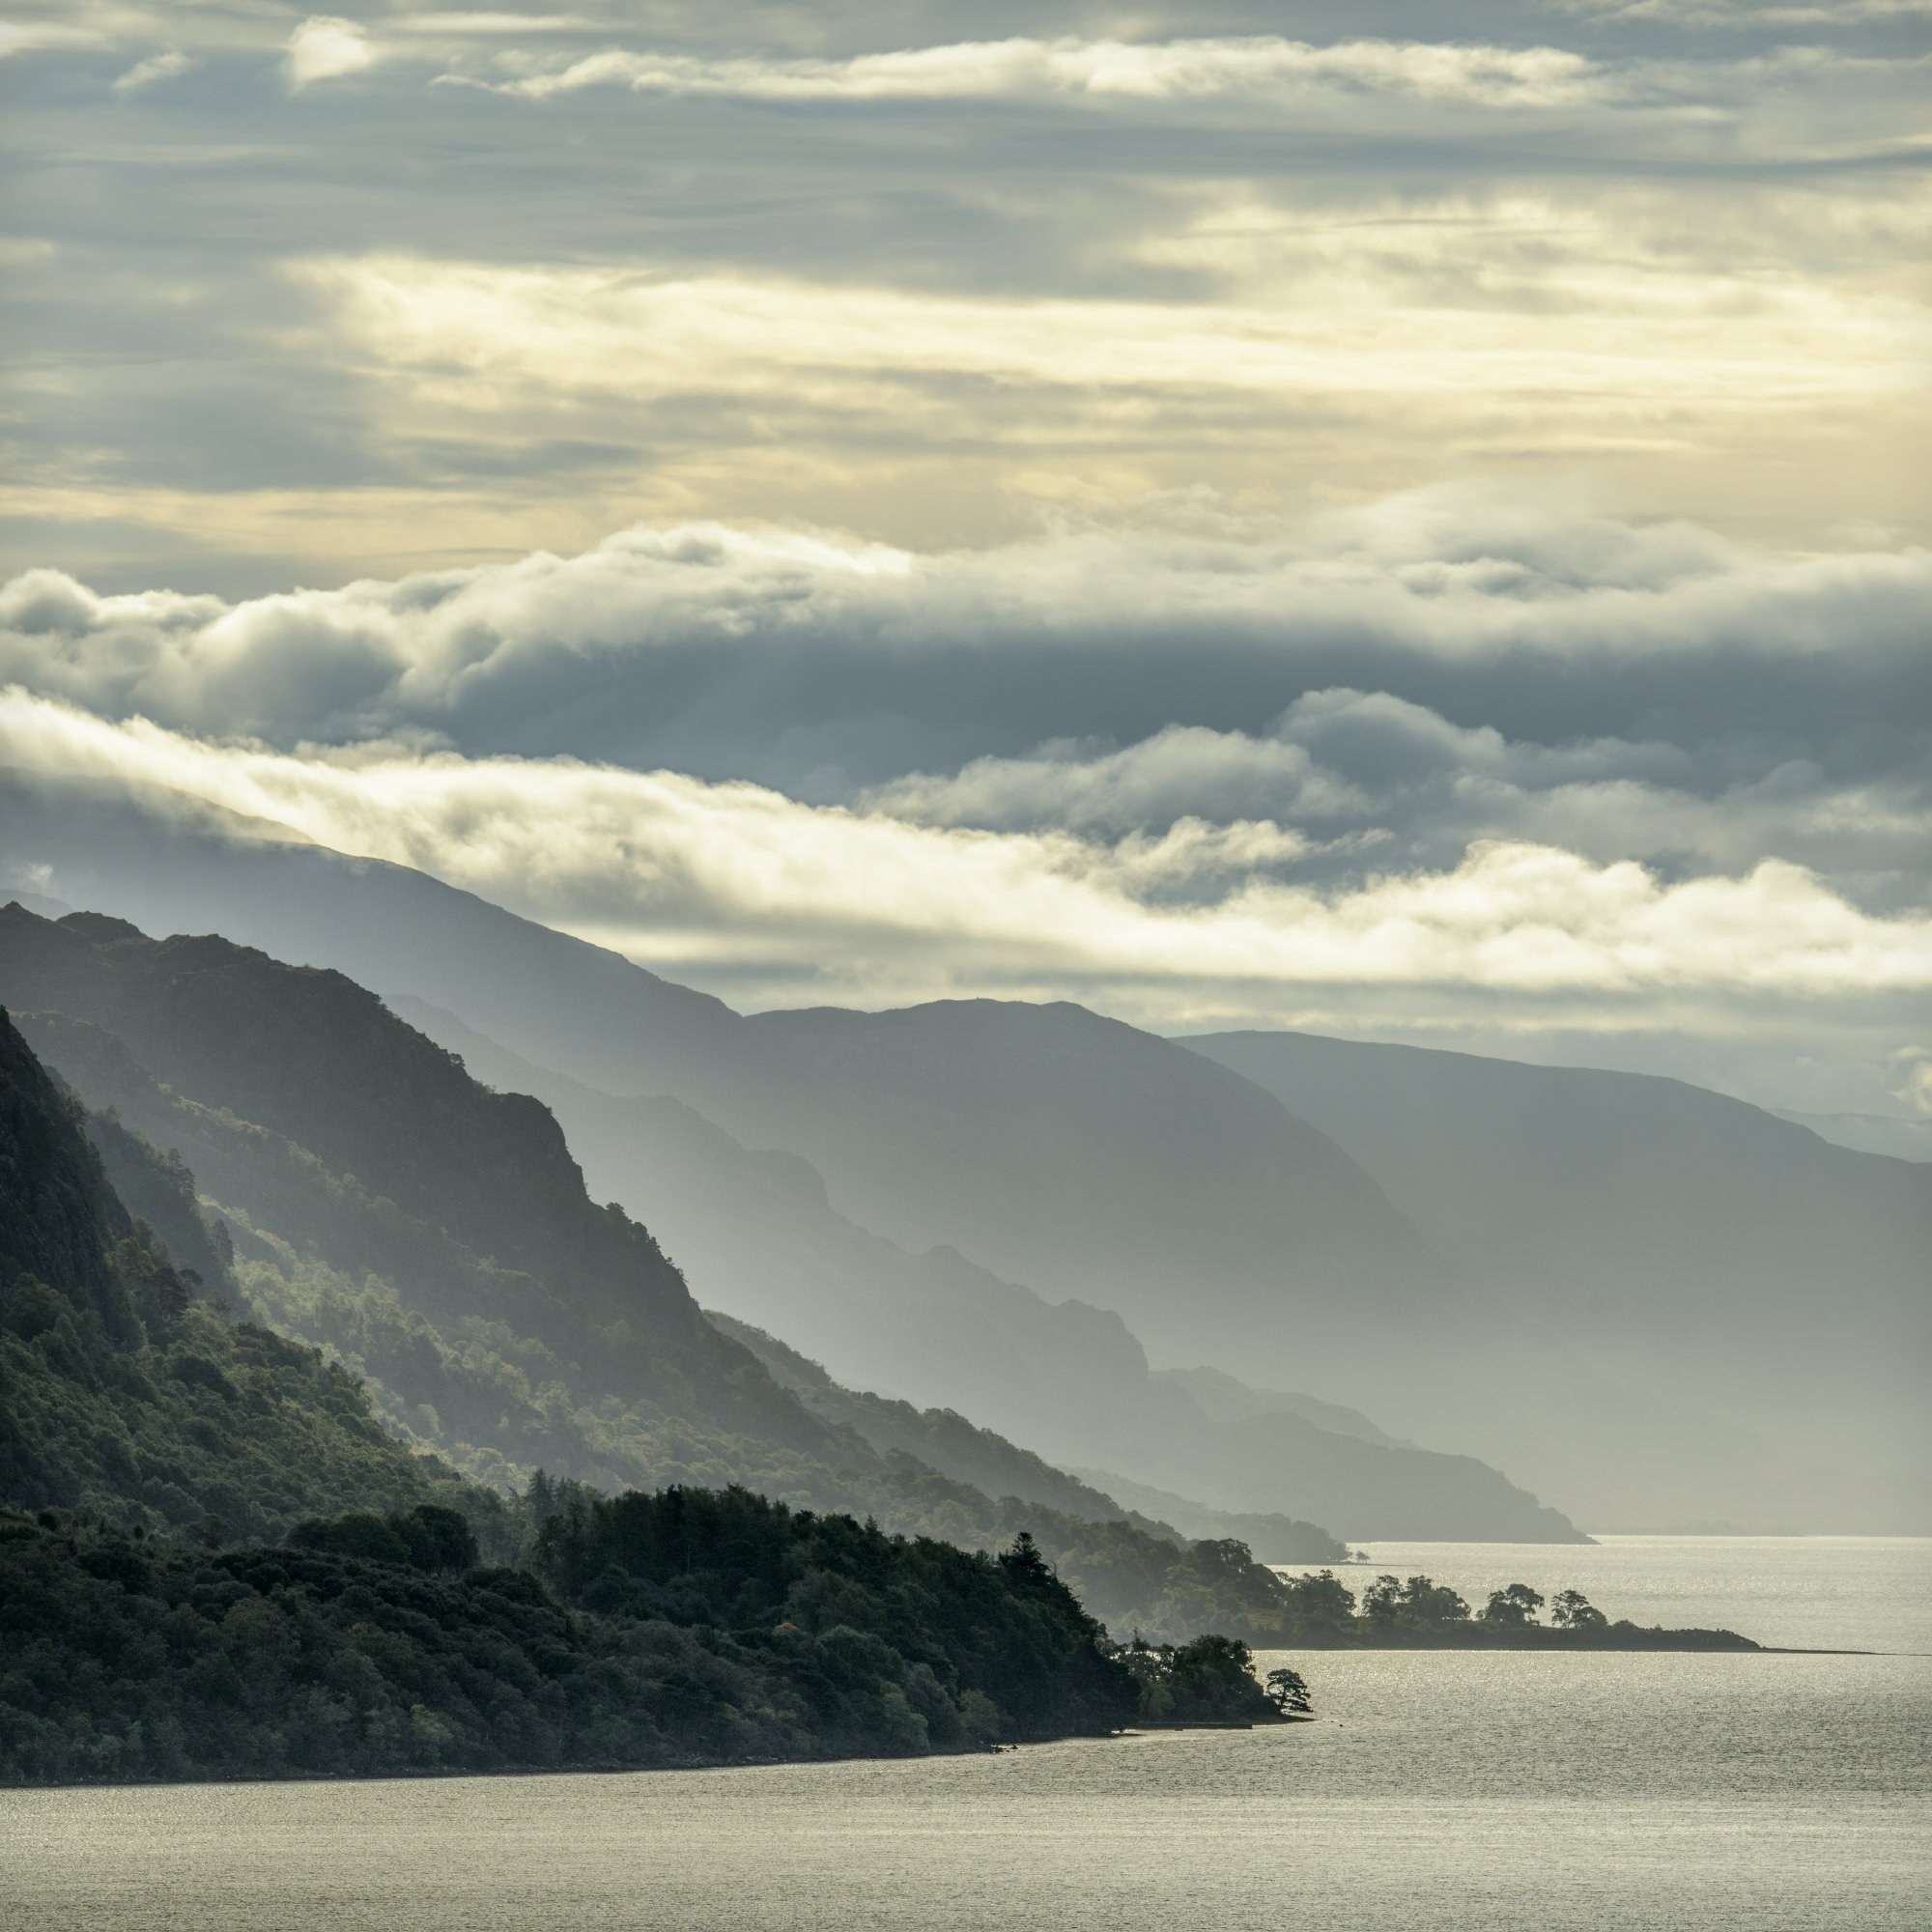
pixel 1694 1250
pixel 1226 1215
pixel 760 1231
pixel 1050 1145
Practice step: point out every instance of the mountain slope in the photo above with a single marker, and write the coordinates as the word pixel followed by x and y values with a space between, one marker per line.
pixel 677 1628
pixel 125 1391
pixel 1704 1254
pixel 948 1441
pixel 582 1360
pixel 760 1232
pixel 1091 1161
pixel 313 1058
pixel 1052 1147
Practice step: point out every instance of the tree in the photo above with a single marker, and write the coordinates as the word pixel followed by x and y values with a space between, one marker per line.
pixel 1288 1691
pixel 1390 1601
pixel 1513 1606
pixel 1573 1610
pixel 1424 1601
pixel 1382 1601
pixel 437 1538
pixel 1320 1604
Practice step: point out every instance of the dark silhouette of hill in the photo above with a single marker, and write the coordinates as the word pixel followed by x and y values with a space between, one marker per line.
pixel 1703 1254
pixel 141 1427
pixel 126 1392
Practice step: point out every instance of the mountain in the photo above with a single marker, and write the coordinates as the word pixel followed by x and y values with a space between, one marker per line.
pixel 437 1236
pixel 1090 1160
pixel 684 1627
pixel 760 1232
pixel 315 1060
pixel 126 1391
pixel 1707 1257
pixel 1902 1137
pixel 1226 1220
pixel 946 1441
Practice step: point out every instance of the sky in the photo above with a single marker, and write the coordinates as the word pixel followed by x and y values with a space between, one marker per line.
pixel 1251 516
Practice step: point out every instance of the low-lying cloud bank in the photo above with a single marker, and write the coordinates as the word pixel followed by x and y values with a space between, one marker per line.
pixel 665 864
pixel 1449 762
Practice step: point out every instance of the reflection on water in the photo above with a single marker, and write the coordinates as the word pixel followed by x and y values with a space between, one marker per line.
pixel 1438 1790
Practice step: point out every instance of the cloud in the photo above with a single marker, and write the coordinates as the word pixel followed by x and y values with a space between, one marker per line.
pixel 681 873
pixel 1374 785
pixel 1913 1067
pixel 1280 266
pixel 822 664
pixel 30 37
pixel 1678 783
pixel 155 68
pixel 1256 67
pixel 489 329
pixel 1754 16
pixel 1337 357
pixel 326 47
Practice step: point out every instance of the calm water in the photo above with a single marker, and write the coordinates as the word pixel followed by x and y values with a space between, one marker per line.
pixel 1594 1793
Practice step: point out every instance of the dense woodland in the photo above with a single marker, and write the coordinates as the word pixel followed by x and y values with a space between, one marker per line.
pixel 689 1627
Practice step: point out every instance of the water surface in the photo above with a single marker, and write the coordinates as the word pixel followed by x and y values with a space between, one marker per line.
pixel 1439 1790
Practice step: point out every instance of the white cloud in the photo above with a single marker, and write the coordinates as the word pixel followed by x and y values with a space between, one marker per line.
pixel 1913 1067
pixel 31 37
pixel 155 68
pixel 456 24
pixel 481 330
pixel 684 874
pixel 1266 67
pixel 326 47
pixel 920 688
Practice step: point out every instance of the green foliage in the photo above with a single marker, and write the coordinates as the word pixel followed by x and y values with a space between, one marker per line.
pixel 1572 1610
pixel 688 1627
pixel 1288 1691
pixel 1005 1627
pixel 1513 1606
pixel 1207 1680
pixel 1417 1603
pixel 126 1397
pixel 1418 1612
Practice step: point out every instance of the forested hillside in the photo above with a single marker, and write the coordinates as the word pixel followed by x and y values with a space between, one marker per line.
pixel 946 1441
pixel 505 1369
pixel 127 1393
pixel 142 1428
